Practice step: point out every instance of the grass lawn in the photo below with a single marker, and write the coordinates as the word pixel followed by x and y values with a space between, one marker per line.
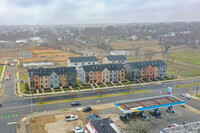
pixel 189 56
pixel 181 70
pixel 47 90
pixel 23 76
pixel 1 69
pixel 101 85
pixel 23 86
pixel 109 84
pixel 198 96
pixel 57 90
pixel 93 97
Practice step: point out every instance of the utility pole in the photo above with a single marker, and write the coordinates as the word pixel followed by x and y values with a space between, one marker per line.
pixel 197 89
pixel 31 102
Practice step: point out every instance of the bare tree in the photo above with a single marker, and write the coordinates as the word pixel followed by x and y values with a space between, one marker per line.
pixel 137 50
pixel 139 126
pixel 148 55
pixel 72 95
pixel 41 98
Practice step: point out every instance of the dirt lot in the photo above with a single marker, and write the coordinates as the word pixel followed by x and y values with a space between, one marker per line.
pixel 48 54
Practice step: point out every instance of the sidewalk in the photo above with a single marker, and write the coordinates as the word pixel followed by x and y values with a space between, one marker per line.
pixel 85 90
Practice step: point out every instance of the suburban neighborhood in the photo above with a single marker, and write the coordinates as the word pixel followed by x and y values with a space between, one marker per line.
pixel 97 66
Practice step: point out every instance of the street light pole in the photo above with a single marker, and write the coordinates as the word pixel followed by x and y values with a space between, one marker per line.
pixel 31 101
pixel 197 89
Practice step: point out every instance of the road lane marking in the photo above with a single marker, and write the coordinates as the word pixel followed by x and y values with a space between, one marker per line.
pixel 10 123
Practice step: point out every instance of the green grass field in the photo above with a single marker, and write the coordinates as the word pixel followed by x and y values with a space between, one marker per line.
pixel 1 69
pixel 23 76
pixel 182 70
pixel 188 56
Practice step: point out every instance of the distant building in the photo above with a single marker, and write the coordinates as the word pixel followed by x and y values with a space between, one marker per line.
pixel 43 78
pixel 101 73
pixel 145 70
pixel 81 61
pixel 38 64
pixel 114 59
pixel 119 52
pixel 85 53
pixel 21 41
pixel 133 37
pixel 105 125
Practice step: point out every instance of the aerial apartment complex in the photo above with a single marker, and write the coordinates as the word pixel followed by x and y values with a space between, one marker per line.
pixel 81 61
pixel 145 70
pixel 43 78
pixel 101 73
pixel 114 59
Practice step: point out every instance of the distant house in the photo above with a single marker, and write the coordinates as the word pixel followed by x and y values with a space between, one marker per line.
pixel 119 52
pixel 133 37
pixel 101 73
pixel 114 59
pixel 81 61
pixel 105 125
pixel 43 78
pixel 145 70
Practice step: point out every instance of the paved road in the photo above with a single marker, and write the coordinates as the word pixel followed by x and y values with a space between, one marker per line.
pixel 8 93
pixel 13 106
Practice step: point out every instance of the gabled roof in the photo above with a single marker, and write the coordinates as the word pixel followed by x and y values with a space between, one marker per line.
pixel 105 125
pixel 49 71
pixel 116 57
pixel 144 64
pixel 83 59
pixel 110 67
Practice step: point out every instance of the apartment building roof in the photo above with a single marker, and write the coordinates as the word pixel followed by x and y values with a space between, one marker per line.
pixel 83 59
pixel 110 67
pixel 49 71
pixel 116 57
pixel 144 64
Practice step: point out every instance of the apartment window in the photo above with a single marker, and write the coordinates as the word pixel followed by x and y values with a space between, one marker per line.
pixel 93 62
pixel 36 78
pixel 122 71
pixel 75 64
pixel 36 82
pixel 41 81
pixel 82 63
pixel 122 75
pixel 55 76
pixel 122 61
pixel 55 81
pixel 46 76
pixel 46 81
pixel 89 63
pixel 46 86
pixel 150 72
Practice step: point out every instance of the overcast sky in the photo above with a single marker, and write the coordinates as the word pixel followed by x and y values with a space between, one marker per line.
pixel 97 11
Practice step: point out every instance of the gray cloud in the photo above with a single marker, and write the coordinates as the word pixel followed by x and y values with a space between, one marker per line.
pixel 97 11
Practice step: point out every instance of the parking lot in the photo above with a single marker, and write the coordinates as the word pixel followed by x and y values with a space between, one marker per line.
pixel 25 54
pixel 58 124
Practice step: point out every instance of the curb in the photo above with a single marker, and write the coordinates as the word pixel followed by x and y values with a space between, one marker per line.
pixel 87 90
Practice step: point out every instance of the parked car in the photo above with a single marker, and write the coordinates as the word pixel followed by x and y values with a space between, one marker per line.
pixel 155 113
pixel 124 119
pixel 76 103
pixel 0 104
pixel 93 117
pixel 71 118
pixel 79 130
pixel 185 122
pixel 87 109
pixel 174 125
pixel 186 95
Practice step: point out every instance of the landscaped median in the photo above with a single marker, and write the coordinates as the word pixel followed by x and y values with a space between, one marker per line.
pixel 188 85
pixel 93 97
